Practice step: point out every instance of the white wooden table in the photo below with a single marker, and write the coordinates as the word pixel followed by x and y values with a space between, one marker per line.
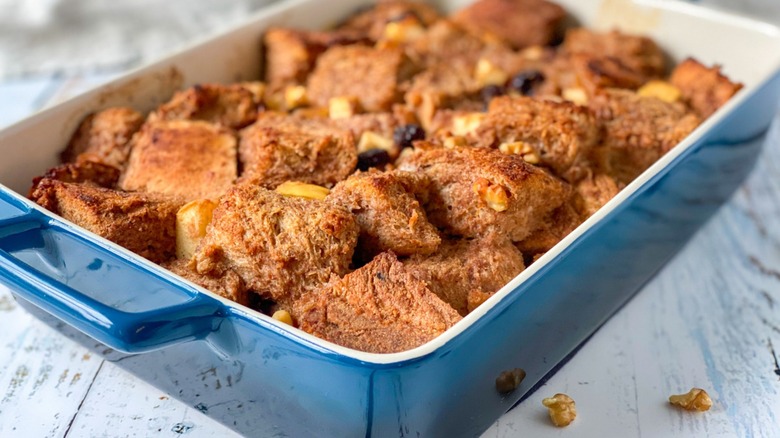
pixel 710 318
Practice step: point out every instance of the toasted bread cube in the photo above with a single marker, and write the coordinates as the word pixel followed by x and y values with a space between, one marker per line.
pixel 233 106
pixel 374 76
pixel 85 172
pixel 562 221
pixel 372 23
pixel 189 159
pixel 191 222
pixel 104 137
pixel 379 308
pixel 521 23
pixel 558 135
pixel 637 131
pixel 461 267
pixel 289 56
pixel 595 191
pixel 228 284
pixel 705 89
pixel 637 53
pixel 388 214
pixel 144 223
pixel 456 206
pixel 279 148
pixel 281 247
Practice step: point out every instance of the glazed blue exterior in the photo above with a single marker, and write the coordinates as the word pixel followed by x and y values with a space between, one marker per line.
pixel 265 380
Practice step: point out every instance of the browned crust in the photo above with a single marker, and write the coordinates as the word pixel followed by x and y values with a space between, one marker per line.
pixel 280 247
pixel 455 206
pixel 188 159
pixel 104 137
pixel 369 74
pixel 705 89
pixel 467 266
pixel 637 131
pixel 520 23
pixel 279 148
pixel 141 222
pixel 233 106
pixel 389 217
pixel 380 308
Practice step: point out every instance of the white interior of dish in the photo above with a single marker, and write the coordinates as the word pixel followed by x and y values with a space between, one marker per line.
pixel 749 50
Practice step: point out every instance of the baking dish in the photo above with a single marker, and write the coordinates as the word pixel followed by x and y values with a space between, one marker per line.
pixel 265 378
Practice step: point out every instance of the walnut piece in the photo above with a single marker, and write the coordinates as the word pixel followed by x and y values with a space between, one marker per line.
pixel 561 408
pixel 696 399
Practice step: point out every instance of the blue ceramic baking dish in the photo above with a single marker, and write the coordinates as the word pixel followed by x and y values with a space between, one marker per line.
pixel 265 378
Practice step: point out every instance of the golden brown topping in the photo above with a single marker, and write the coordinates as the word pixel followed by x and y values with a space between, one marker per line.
pixel 696 399
pixel 283 316
pixel 561 408
pixel 494 195
pixel 660 90
pixel 302 190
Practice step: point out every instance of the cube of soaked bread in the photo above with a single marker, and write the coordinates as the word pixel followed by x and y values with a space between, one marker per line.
pixel 104 137
pixel 593 192
pixel 463 266
pixel 372 21
pixel 280 147
pixel 228 284
pixel 85 172
pixel 383 124
pixel 476 191
pixel 705 89
pixel 562 221
pixel 369 74
pixel 637 131
pixel 521 23
pixel 637 53
pixel 144 223
pixel 389 216
pixel 590 194
pixel 280 247
pixel 233 106
pixel 184 158
pixel 290 54
pixel 379 308
pixel 560 134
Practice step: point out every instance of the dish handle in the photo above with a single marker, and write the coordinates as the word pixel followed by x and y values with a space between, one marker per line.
pixel 37 259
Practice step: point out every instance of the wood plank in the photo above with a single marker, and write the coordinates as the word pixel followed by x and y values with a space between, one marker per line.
pixel 41 371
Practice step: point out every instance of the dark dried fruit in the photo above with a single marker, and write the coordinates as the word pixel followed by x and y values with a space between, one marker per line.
pixel 490 92
pixel 508 381
pixel 372 158
pixel 405 135
pixel 526 82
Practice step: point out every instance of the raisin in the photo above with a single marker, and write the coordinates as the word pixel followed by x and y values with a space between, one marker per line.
pixel 526 81
pixel 372 158
pixel 405 135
